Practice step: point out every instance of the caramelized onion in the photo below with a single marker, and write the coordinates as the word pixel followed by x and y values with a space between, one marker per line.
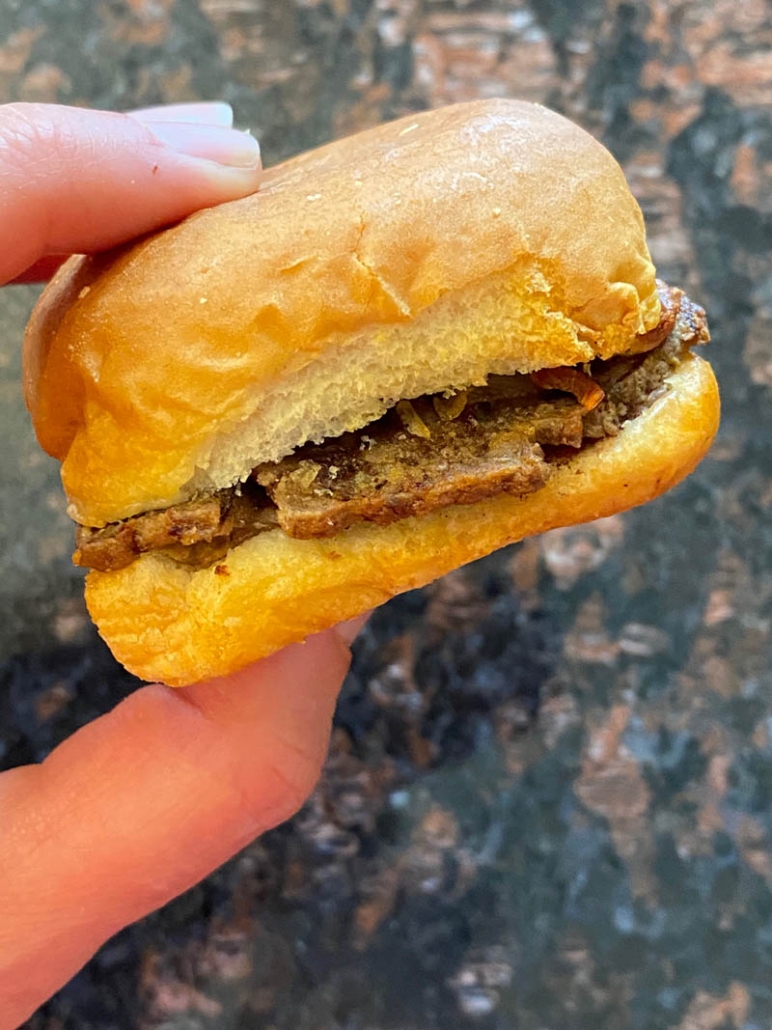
pixel 570 380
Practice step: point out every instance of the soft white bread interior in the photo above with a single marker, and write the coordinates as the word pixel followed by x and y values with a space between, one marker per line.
pixel 166 621
pixel 487 237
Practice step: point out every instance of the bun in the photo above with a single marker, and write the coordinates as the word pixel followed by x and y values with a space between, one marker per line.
pixel 488 237
pixel 163 620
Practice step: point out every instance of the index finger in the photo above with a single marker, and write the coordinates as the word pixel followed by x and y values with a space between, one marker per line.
pixel 75 180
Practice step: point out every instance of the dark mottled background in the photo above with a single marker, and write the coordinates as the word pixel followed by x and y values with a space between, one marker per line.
pixel 547 803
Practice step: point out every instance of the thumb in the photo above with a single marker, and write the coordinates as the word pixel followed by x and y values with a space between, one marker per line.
pixel 74 180
pixel 140 804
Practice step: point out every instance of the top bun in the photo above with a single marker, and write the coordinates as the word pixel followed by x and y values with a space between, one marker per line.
pixel 423 254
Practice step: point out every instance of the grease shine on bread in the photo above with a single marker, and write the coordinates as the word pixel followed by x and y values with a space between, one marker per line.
pixel 409 348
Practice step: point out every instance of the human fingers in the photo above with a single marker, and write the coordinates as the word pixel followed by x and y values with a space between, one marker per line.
pixel 41 271
pixel 142 803
pixel 75 180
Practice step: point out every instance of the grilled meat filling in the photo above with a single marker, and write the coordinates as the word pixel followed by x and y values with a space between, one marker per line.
pixel 423 454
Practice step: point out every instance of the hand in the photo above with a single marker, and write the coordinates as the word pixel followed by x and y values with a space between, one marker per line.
pixel 142 803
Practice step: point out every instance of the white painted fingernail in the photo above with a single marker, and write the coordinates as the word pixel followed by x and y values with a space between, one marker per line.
pixel 224 146
pixel 205 113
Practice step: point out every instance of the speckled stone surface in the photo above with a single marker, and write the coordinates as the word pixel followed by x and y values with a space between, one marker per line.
pixel 548 802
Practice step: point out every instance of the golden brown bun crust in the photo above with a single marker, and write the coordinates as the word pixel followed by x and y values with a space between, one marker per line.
pixel 135 360
pixel 164 621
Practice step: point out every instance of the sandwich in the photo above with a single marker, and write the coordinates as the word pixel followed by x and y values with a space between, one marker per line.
pixel 406 350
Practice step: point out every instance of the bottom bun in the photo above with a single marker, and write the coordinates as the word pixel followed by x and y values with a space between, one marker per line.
pixel 165 621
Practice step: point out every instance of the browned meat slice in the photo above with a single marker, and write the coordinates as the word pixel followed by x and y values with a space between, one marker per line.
pixel 670 298
pixel 418 459
pixel 199 532
pixel 631 383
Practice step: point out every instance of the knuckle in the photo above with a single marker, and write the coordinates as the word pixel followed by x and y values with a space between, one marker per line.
pixel 27 131
pixel 282 789
pixel 297 782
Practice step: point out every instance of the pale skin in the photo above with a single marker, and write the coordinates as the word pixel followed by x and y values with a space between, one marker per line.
pixel 142 803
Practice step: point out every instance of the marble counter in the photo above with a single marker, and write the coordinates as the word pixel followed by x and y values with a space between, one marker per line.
pixel 548 802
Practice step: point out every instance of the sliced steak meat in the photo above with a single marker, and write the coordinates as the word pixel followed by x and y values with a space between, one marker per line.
pixel 670 299
pixel 198 532
pixel 631 383
pixel 421 455
pixel 414 460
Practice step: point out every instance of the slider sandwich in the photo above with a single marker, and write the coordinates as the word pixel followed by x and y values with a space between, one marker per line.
pixel 409 348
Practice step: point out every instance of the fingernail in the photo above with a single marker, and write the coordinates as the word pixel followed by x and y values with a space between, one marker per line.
pixel 206 113
pixel 350 630
pixel 224 146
